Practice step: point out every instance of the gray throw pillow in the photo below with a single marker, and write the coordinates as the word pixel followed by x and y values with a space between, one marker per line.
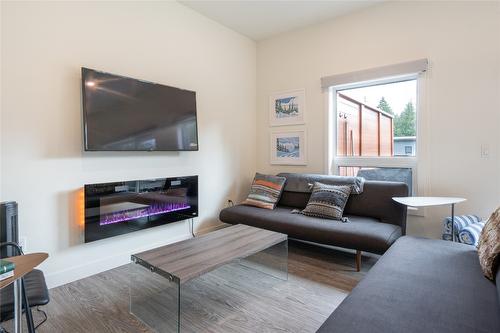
pixel 327 201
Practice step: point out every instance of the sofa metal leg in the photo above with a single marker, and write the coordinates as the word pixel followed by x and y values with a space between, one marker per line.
pixel 358 260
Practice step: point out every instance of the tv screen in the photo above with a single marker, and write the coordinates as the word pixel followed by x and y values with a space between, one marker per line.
pixel 125 114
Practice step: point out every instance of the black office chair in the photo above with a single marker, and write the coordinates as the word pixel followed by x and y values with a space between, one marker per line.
pixel 34 293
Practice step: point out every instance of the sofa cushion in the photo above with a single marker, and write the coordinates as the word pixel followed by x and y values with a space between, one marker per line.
pixel 265 191
pixel 327 201
pixel 420 285
pixel 362 233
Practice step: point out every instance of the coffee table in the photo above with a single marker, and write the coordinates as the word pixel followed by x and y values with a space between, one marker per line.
pixel 159 275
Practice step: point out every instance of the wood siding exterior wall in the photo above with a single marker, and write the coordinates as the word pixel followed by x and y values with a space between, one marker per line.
pixel 363 130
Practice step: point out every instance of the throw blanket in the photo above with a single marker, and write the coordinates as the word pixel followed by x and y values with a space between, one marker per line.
pixel 461 222
pixel 303 183
pixel 470 234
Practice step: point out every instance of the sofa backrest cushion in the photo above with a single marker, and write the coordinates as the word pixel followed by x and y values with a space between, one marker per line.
pixel 298 187
pixel 374 201
pixel 303 182
pixel 294 199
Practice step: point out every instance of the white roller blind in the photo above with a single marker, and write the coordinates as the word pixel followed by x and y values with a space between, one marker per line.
pixel 404 68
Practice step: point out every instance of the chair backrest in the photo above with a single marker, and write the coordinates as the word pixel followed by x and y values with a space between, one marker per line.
pixel 16 250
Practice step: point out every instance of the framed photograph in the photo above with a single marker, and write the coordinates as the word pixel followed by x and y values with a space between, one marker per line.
pixel 288 148
pixel 287 108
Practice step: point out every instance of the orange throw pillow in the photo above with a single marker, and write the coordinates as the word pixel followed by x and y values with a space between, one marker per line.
pixel 265 191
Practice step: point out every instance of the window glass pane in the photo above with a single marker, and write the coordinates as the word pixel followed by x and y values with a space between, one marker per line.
pixel 377 120
pixel 404 175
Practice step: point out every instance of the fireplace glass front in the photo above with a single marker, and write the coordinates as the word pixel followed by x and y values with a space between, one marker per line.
pixel 118 208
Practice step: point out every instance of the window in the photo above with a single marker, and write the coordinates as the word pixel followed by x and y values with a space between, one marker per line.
pixel 374 129
pixel 373 117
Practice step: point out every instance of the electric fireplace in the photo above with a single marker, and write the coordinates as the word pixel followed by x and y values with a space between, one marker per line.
pixel 118 208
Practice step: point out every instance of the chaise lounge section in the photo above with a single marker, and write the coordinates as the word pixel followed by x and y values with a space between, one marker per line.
pixel 421 285
pixel 375 220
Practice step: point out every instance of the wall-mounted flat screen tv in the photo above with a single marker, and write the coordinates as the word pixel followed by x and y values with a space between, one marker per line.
pixel 125 114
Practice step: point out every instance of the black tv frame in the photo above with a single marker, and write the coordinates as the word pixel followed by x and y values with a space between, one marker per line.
pixel 85 147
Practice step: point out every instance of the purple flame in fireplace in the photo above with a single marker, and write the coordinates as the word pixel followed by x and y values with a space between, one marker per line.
pixel 155 209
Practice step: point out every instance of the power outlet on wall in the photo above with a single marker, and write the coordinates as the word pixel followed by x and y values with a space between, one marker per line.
pixel 229 203
pixel 485 150
pixel 22 244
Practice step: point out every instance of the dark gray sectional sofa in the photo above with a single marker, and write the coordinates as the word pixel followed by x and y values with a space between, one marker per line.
pixel 421 285
pixel 418 285
pixel 375 220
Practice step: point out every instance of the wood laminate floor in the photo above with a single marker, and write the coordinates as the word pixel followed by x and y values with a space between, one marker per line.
pixel 233 298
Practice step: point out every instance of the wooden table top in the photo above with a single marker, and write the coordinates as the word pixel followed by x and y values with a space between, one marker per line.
pixel 24 265
pixel 194 257
pixel 427 201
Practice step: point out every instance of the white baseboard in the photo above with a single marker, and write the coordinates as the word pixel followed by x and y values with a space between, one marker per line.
pixel 208 229
pixel 103 264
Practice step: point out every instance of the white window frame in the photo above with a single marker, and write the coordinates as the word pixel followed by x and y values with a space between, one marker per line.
pixel 334 161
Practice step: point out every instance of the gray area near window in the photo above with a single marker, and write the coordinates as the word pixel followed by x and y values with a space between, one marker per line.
pixel 389 174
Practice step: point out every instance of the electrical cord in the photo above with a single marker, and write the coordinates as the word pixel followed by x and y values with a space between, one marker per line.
pixel 44 315
pixel 192 228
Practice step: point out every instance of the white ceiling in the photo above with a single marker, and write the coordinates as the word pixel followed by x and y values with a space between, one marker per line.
pixel 260 19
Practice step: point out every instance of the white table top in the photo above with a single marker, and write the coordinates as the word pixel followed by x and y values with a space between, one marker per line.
pixel 427 201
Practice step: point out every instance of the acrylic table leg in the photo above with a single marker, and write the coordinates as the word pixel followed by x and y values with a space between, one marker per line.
pixel 272 261
pixel 155 299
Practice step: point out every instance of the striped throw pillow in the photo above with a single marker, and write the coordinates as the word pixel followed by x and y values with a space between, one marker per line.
pixel 470 234
pixel 327 201
pixel 461 221
pixel 265 191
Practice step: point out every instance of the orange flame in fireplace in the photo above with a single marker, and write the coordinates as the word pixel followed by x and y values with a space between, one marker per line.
pixel 80 207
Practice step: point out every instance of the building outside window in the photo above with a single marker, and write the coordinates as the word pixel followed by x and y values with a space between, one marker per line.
pixel 408 150
pixel 375 130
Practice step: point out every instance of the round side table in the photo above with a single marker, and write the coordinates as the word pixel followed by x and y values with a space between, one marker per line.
pixel 432 201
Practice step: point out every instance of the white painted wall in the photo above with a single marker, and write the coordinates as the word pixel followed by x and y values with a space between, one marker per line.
pixel 44 44
pixel 461 105
pixel 42 165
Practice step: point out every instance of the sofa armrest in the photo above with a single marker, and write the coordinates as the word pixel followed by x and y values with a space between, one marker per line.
pixel 376 201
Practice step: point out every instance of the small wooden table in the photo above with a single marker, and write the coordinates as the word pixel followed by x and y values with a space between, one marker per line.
pixel 24 264
pixel 432 201
pixel 160 273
